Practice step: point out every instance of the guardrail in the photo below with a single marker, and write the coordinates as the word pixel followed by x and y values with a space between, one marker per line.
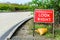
pixel 10 32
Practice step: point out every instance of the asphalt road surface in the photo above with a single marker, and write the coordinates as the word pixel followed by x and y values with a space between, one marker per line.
pixel 8 20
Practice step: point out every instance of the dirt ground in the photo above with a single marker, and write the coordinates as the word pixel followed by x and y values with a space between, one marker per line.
pixel 25 33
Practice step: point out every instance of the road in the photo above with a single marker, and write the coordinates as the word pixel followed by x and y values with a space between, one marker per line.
pixel 8 20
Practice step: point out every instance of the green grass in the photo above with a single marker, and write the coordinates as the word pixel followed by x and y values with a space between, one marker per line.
pixel 49 27
pixel 39 26
pixel 49 34
pixel 57 34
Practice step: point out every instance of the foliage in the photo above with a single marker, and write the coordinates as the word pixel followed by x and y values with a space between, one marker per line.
pixel 13 7
pixel 57 34
pixel 50 34
pixel 48 4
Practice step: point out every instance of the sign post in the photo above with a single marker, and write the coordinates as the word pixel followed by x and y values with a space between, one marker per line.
pixel 44 16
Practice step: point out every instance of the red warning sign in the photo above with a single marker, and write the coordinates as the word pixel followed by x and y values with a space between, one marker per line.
pixel 44 16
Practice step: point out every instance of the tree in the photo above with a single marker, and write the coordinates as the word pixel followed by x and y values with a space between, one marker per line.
pixel 48 4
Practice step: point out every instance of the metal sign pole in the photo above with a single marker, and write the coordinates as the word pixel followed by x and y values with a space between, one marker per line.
pixel 34 30
pixel 53 31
